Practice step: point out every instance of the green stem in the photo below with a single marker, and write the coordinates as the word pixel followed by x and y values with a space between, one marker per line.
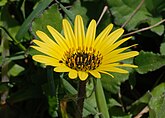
pixel 100 99
pixel 73 91
pixel 81 97
pixel 13 39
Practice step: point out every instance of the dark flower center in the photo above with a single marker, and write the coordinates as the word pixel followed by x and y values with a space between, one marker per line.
pixel 82 59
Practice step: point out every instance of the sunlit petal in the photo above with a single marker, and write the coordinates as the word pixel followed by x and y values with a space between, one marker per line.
pixel 54 49
pixel 58 37
pixel 95 73
pixel 72 74
pixel 62 69
pixel 47 40
pixel 122 56
pixel 83 75
pixel 115 53
pixel 104 72
pixel 102 36
pixel 113 37
pixel 79 31
pixel 114 69
pixel 69 35
pixel 90 35
pixel 47 51
pixel 114 46
pixel 46 60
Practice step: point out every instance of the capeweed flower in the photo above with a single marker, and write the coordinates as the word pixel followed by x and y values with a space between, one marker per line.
pixel 82 53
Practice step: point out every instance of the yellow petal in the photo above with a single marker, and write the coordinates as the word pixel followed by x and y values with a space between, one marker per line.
pixel 114 53
pixel 127 65
pixel 114 69
pixel 46 60
pixel 114 46
pixel 47 51
pixel 47 40
pixel 82 75
pixel 95 73
pixel 58 37
pixel 90 35
pixel 68 32
pixel 121 56
pixel 62 69
pixel 102 36
pixel 53 49
pixel 72 74
pixel 79 31
pixel 104 72
pixel 111 39
pixel 117 65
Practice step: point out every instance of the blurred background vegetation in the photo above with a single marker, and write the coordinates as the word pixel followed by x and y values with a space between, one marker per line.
pixel 31 90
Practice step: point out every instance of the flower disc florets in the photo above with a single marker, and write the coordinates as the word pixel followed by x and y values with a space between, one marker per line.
pixel 82 59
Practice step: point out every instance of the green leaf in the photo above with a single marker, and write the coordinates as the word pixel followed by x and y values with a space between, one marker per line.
pixel 162 49
pixel 113 102
pixel 65 1
pixel 16 70
pixel 158 90
pixel 158 29
pixel 148 61
pixel 122 9
pixel 70 15
pixel 3 2
pixel 123 116
pixel 91 99
pixel 50 17
pixel 9 22
pixel 100 99
pixel 157 106
pixel 138 105
pixel 155 7
pixel 78 9
pixel 26 25
pixel 113 84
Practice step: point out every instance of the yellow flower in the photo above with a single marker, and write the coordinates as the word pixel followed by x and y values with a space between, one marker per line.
pixel 80 53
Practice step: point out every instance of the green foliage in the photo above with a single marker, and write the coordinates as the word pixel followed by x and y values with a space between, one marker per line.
pixel 148 13
pixel 148 61
pixel 32 90
pixel 26 25
pixel 157 105
pixel 3 2
pixel 15 70
pixel 162 49
pixel 53 106
pixel 50 17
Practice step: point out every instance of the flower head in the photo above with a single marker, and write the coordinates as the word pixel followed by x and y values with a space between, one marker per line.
pixel 81 53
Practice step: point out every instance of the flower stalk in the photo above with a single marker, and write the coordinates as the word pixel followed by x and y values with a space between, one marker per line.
pixel 80 99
